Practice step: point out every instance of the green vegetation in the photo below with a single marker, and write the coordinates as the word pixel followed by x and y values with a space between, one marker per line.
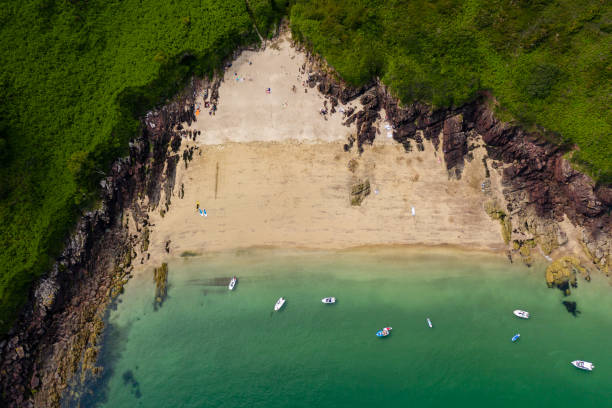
pixel 74 76
pixel 548 63
pixel 492 208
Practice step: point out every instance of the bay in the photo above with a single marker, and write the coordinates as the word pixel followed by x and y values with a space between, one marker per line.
pixel 209 347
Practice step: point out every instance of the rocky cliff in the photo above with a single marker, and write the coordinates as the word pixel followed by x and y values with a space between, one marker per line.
pixel 540 187
pixel 57 335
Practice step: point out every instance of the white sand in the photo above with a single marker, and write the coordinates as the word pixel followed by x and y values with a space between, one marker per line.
pixel 247 113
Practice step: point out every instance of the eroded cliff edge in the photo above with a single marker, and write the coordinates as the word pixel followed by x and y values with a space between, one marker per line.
pixel 57 337
pixel 541 191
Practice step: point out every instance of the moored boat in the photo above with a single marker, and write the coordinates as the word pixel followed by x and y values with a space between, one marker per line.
pixel 232 283
pixel 329 300
pixel 279 303
pixel 384 332
pixel 583 365
pixel 521 313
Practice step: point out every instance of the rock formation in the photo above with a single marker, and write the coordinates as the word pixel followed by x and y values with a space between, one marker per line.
pixel 540 187
pixel 56 336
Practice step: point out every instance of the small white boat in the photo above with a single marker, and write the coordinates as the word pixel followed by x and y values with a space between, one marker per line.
pixel 521 313
pixel 329 300
pixel 583 365
pixel 232 283
pixel 429 323
pixel 279 303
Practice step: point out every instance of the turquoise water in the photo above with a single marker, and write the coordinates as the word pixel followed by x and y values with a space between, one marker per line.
pixel 208 347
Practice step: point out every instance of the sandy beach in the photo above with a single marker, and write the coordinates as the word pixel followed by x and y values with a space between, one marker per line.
pixel 270 170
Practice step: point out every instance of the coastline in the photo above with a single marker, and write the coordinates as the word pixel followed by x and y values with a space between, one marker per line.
pixel 159 180
pixel 265 180
pixel 468 295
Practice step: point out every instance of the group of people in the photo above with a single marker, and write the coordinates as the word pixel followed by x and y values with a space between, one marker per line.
pixel 202 211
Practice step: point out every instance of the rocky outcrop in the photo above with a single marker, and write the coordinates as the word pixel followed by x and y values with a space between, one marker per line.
pixel 454 144
pixel 359 192
pixel 562 273
pixel 540 186
pixel 160 276
pixel 57 334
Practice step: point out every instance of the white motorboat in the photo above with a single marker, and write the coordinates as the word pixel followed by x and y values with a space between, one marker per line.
pixel 429 323
pixel 279 303
pixel 583 365
pixel 521 313
pixel 329 300
pixel 232 283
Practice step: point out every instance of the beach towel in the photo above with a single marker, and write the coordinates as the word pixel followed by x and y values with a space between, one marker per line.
pixel 413 212
pixel 268 90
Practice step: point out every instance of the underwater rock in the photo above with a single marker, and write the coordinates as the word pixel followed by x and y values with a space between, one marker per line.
pixel 160 276
pixel 571 307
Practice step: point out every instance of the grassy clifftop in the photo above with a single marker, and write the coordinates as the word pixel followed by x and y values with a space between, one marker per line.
pixel 73 75
pixel 548 63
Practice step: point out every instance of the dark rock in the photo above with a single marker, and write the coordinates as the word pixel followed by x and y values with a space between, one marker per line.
pixel 454 144
pixel 64 304
pixel 571 307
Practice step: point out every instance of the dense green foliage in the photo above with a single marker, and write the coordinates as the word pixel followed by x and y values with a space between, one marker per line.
pixel 548 63
pixel 74 75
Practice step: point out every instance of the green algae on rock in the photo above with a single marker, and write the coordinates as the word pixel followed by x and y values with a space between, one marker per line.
pixel 359 192
pixel 160 276
pixel 562 273
pixel 495 212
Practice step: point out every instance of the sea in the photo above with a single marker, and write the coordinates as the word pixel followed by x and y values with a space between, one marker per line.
pixel 207 346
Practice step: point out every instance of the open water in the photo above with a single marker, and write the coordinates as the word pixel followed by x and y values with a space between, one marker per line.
pixel 209 347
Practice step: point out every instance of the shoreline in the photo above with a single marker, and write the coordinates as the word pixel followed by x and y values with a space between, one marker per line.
pixel 289 194
pixel 156 185
pixel 286 177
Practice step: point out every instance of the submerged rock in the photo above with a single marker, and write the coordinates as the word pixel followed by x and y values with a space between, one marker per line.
pixel 571 307
pixel 160 276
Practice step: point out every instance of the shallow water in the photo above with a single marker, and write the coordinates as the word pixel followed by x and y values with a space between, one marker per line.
pixel 208 347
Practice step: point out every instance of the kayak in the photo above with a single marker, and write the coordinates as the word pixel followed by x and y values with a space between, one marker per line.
pixel 429 323
pixel 516 337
